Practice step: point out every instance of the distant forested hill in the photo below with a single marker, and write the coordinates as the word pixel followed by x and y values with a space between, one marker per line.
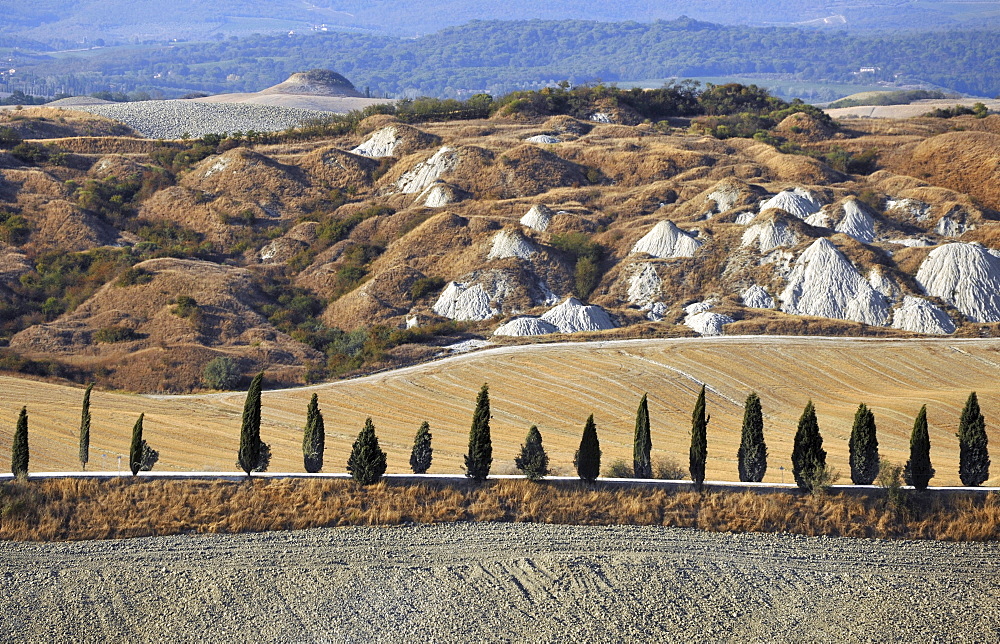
pixel 497 57
pixel 65 22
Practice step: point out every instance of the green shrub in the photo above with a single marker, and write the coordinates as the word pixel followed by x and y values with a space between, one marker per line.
pixel 30 153
pixel 134 276
pixel 112 334
pixel 221 372
pixel 425 286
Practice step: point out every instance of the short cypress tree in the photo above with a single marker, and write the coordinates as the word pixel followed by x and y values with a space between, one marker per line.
pixel 973 448
pixel 141 456
pixel 367 461
pixel 533 461
pixel 254 454
pixel 313 437
pixel 699 440
pixel 864 447
pixel 85 429
pixel 918 471
pixel 19 452
pixel 808 455
pixel 642 467
pixel 752 454
pixel 480 456
pixel 587 459
pixel 422 452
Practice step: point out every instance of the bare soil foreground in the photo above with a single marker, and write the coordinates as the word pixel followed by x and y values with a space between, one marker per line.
pixel 500 582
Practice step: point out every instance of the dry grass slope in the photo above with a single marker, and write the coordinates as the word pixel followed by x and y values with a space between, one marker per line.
pixel 556 386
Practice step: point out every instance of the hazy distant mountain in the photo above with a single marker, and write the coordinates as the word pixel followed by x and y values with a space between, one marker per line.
pixel 69 21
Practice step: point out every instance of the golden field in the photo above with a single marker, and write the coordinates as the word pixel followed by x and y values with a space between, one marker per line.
pixel 555 386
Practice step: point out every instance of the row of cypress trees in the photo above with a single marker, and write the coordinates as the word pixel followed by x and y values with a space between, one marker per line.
pixel 367 461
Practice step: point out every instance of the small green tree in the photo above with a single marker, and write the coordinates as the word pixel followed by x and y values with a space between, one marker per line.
pixel 85 429
pixel 808 455
pixel 533 461
pixel 642 444
pixel 480 456
pixel 918 471
pixel 699 440
pixel 19 452
pixel 254 454
pixel 313 437
pixel 221 372
pixel 141 456
pixel 863 447
pixel 587 459
pixel 422 452
pixel 973 445
pixel 752 454
pixel 367 461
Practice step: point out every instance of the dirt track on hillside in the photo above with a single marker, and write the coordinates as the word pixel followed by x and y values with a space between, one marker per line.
pixel 500 582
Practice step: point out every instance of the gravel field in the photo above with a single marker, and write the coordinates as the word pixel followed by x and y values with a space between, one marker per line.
pixel 171 119
pixel 500 582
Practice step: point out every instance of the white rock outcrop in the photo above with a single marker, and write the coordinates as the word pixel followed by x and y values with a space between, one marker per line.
pixel 667 241
pixel 437 195
pixel 526 326
pixel 464 302
pixel 382 143
pixel 857 222
pixel 537 218
pixel 756 297
pixel 543 138
pixel 967 276
pixel 508 243
pixel 725 196
pixel 744 218
pixel 950 227
pixel 707 322
pixel 797 203
pixel 912 242
pixel 916 209
pixel 572 316
pixel 824 283
pixel 656 311
pixel 768 235
pixel 644 285
pixel 820 220
pixel 920 316
pixel 427 172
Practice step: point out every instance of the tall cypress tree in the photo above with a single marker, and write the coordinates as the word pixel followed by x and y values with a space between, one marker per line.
pixel 533 461
pixel 19 451
pixel 313 437
pixel 254 454
pixel 918 471
pixel 864 447
pixel 752 454
pixel 480 456
pixel 135 451
pixel 587 459
pixel 973 448
pixel 642 467
pixel 367 461
pixel 808 455
pixel 422 452
pixel 699 440
pixel 85 429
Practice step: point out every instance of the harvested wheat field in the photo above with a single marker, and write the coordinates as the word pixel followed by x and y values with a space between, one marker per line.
pixel 555 386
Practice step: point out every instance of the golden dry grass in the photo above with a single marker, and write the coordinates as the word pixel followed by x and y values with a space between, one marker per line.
pixel 555 386
pixel 72 509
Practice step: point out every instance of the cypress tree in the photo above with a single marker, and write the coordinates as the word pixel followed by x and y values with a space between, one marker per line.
pixel 699 440
pixel 533 461
pixel 642 467
pixel 864 447
pixel 85 429
pixel 587 459
pixel 973 454
pixel 480 456
pixel 19 452
pixel 918 471
pixel 313 437
pixel 808 455
pixel 752 454
pixel 141 456
pixel 254 454
pixel 367 461
pixel 420 455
